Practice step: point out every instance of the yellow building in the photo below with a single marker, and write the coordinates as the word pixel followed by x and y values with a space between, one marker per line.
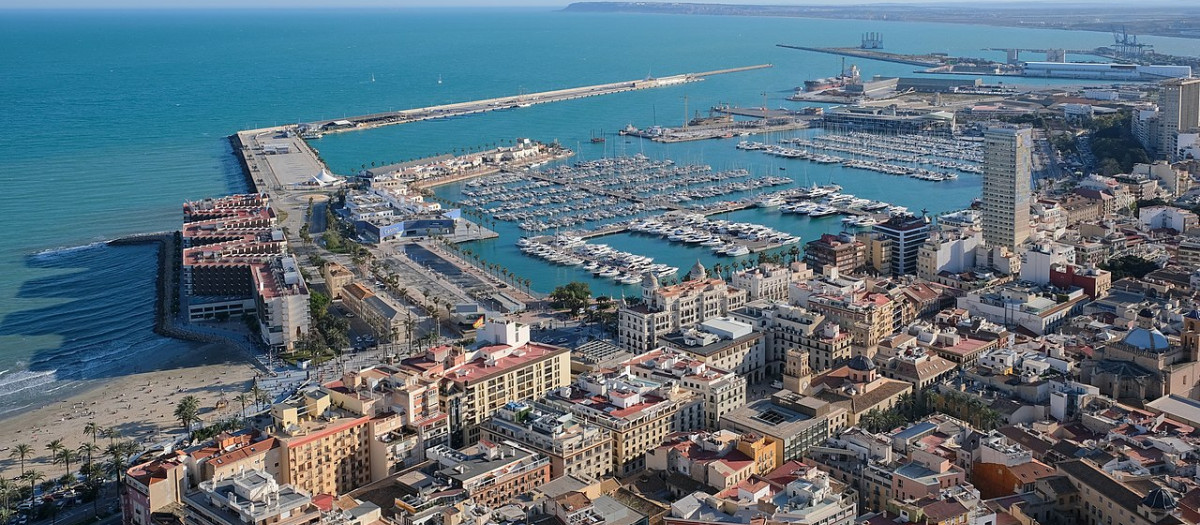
pixel 336 277
pixel 506 367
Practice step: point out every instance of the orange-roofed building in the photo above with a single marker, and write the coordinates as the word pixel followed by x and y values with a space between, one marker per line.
pixel 667 309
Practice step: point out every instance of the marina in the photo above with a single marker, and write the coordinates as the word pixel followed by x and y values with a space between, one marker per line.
pixel 604 190
pixel 923 157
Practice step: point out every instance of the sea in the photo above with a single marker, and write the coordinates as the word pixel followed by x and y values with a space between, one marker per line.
pixel 115 118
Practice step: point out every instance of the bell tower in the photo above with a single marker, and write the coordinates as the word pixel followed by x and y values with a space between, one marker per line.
pixel 1190 338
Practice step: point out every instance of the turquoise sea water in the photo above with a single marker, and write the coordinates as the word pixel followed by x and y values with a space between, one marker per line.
pixel 115 118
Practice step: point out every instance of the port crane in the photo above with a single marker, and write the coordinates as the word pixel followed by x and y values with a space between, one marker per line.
pixel 1127 45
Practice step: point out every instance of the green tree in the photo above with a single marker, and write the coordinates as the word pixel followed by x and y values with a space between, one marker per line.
pixel 88 451
pixel 188 412
pixel 573 296
pixel 33 477
pixel 21 451
pixel 65 456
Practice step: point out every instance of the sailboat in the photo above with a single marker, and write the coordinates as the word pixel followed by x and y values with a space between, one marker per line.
pixel 439 79
pixel 372 77
pixel 598 139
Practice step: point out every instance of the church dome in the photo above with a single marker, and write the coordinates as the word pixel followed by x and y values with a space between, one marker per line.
pixel 861 363
pixel 1146 313
pixel 1147 339
pixel 1159 499
pixel 698 272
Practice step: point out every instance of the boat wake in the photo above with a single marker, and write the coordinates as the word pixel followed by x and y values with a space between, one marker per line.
pixel 53 253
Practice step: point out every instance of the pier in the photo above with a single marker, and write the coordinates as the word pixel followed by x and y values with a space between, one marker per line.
pixel 912 60
pixel 375 120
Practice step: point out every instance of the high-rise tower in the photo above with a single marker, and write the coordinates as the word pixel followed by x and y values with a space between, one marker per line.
pixel 1007 168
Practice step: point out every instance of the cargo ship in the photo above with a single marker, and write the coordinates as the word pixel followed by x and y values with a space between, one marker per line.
pixel 847 77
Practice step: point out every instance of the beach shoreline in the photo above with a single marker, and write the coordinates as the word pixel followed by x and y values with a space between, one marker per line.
pixel 140 405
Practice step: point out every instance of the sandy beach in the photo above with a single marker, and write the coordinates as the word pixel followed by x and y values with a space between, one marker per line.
pixel 140 405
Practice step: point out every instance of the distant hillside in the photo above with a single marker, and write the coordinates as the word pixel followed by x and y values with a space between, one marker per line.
pixel 1147 19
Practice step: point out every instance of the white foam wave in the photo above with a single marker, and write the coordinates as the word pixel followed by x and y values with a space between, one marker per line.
pixel 25 380
pixel 65 250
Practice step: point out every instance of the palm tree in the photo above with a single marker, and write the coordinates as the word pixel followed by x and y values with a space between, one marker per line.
pixel 33 477
pixel 111 433
pixel 188 412
pixel 22 451
pixel 5 492
pixel 65 456
pixel 257 394
pixel 89 450
pixel 91 428
pixel 54 447
pixel 243 398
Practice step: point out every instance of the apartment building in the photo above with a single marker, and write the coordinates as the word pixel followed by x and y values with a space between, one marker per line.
pixel 839 251
pixel 575 447
pixel 667 309
pixel 235 263
pixel 506 366
pixel 724 343
pixel 491 474
pixel 638 413
pixel 721 391
pixel 249 498
pixel 770 281
pixel 1007 172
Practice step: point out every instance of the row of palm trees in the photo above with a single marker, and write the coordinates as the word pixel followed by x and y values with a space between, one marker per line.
pixel 95 463
pixel 500 272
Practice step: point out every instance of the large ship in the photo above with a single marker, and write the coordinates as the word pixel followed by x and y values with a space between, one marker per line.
pixel 848 76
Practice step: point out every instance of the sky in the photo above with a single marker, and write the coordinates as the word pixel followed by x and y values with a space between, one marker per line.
pixel 223 4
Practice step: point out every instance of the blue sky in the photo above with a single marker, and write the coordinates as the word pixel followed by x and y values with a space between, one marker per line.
pixel 100 4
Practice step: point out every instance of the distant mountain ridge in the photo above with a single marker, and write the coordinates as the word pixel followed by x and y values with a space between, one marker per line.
pixel 1148 18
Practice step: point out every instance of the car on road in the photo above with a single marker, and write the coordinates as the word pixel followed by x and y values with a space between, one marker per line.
pixel 349 315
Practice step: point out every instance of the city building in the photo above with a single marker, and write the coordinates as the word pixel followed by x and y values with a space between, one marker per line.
pixel 1145 364
pixel 1040 257
pixel 249 498
pixel 323 449
pixel 575 448
pixel 637 413
pixel 1146 128
pixel 722 391
pixel 491 474
pixel 235 263
pixel 1007 169
pixel 336 276
pixel 857 388
pixel 384 318
pixel 666 309
pixel 720 459
pixel 793 494
pixel 1167 217
pixel 782 326
pixel 724 344
pixel 150 487
pixel 843 252
pixel 505 366
pixel 908 361
pixel 1025 307
pixel 770 281
pixel 1178 112
pixel 907 233
pixel 1101 498
pixel 795 423
pixel 947 250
